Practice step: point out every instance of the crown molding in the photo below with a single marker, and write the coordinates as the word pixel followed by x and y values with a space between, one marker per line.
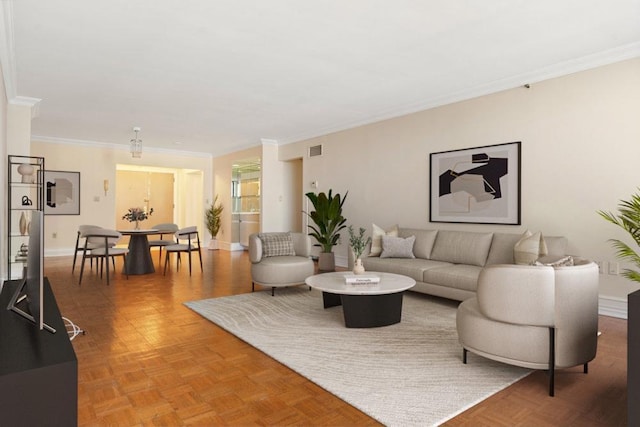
pixel 599 59
pixel 7 49
pixel 25 101
pixel 117 147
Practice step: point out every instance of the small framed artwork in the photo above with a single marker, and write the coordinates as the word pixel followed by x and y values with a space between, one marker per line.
pixel 61 193
pixel 476 185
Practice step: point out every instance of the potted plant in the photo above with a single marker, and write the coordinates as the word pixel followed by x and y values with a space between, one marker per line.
pixel 629 220
pixel 213 214
pixel 358 243
pixel 328 219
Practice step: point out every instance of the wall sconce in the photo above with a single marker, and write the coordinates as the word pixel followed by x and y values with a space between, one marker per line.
pixel 105 184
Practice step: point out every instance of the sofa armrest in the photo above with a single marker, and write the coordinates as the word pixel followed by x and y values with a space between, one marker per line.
pixel 301 244
pixel 517 294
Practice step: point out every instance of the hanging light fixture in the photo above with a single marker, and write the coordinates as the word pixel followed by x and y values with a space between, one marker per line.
pixel 136 144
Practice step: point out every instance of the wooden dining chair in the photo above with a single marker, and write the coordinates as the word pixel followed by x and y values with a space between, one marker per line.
pixel 105 251
pixel 188 241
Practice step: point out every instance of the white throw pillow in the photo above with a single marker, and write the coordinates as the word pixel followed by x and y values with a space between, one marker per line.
pixel 376 238
pixel 529 248
pixel 397 247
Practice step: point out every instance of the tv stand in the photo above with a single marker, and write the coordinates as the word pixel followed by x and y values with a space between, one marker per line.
pixel 38 370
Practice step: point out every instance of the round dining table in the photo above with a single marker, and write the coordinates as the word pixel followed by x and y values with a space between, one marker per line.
pixel 139 258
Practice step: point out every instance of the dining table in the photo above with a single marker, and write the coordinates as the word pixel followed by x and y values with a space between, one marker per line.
pixel 139 258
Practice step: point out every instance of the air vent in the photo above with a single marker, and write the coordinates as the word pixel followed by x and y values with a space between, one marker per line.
pixel 316 150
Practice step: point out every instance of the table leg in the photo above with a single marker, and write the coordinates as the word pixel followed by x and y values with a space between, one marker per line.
pixel 139 258
pixel 370 311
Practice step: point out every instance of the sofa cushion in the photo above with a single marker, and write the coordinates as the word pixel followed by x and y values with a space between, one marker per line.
pixel 529 248
pixel 276 244
pixel 397 247
pixel 459 276
pixel 462 247
pixel 376 238
pixel 411 267
pixel 502 245
pixel 424 241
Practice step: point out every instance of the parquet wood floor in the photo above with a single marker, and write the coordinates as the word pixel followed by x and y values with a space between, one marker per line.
pixel 148 360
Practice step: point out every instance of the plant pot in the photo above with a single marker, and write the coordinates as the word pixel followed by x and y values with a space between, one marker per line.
pixel 358 268
pixel 326 262
pixel 213 244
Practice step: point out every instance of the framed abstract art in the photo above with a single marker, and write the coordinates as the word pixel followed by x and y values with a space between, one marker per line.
pixel 476 185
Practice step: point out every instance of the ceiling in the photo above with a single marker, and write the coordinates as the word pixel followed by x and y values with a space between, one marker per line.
pixel 216 76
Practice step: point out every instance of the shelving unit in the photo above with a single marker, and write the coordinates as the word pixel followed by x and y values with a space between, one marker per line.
pixel 25 194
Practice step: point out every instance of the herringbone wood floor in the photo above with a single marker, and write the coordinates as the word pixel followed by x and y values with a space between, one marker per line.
pixel 148 360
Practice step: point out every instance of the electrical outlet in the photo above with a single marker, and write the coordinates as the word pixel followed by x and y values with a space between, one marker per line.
pixel 614 268
pixel 54 235
pixel 602 266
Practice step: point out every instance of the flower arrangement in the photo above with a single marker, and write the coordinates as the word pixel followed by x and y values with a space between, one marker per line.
pixel 357 241
pixel 136 215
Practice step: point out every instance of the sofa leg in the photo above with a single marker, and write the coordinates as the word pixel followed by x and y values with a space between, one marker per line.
pixel 253 286
pixel 273 289
pixel 464 355
pixel 585 368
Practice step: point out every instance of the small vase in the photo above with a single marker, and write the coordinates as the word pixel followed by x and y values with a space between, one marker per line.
pixel 137 226
pixel 27 171
pixel 358 268
pixel 23 224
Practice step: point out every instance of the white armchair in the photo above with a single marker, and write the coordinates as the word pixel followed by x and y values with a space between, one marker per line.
pixel 280 259
pixel 537 317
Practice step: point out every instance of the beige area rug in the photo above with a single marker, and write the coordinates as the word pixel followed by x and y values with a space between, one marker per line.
pixel 406 374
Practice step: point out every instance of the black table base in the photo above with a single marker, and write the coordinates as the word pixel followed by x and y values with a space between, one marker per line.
pixel 367 311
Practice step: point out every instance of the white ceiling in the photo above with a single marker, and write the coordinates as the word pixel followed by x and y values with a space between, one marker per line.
pixel 220 75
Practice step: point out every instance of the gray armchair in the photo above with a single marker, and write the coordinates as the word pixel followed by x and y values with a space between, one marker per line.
pixel 537 317
pixel 280 259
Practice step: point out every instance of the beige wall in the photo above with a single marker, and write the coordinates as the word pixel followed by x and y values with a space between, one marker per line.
pixel 96 164
pixel 580 148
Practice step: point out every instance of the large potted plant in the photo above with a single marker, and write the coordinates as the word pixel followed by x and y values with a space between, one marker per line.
pixel 628 219
pixel 328 220
pixel 213 214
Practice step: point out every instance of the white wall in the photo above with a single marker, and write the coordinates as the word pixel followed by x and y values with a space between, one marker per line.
pixel 3 172
pixel 580 149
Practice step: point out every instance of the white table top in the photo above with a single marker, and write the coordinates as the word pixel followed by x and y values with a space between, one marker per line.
pixel 335 283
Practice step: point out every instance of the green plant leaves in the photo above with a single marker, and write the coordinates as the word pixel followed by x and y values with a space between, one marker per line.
pixel 328 219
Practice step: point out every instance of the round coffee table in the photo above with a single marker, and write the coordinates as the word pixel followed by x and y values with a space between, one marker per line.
pixel 364 305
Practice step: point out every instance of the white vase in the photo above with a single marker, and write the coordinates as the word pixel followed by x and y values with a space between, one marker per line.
pixel 213 245
pixel 27 171
pixel 358 268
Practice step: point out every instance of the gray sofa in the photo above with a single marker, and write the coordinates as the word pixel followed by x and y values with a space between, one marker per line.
pixel 447 263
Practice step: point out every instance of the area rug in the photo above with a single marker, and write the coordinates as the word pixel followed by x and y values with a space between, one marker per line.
pixel 406 374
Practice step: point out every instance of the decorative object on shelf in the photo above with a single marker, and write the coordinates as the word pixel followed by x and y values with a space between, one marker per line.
pixel 28 173
pixel 23 223
pixel 476 185
pixel 136 144
pixel 136 215
pixel 358 243
pixel 213 214
pixel 628 219
pixel 26 201
pixel 62 193
pixel 329 221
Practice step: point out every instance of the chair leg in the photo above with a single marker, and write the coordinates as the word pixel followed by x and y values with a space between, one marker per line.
pixel 585 368
pixel 106 261
pixel 200 257
pixel 552 360
pixel 464 355
pixel 273 289
pixel 189 263
pixel 126 271
pixel 160 255
pixel 81 269
pixel 253 286
pixel 166 261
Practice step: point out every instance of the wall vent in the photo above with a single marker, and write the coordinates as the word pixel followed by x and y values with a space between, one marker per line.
pixel 315 150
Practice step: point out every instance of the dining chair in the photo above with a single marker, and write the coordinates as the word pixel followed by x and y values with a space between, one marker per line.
pixel 81 240
pixel 164 229
pixel 190 243
pixel 105 251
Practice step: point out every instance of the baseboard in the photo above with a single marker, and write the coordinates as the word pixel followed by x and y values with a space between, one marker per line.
pixel 612 307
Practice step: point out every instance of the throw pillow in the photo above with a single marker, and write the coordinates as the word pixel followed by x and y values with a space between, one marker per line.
pixel 529 248
pixel 555 261
pixel 397 247
pixel 376 238
pixel 276 244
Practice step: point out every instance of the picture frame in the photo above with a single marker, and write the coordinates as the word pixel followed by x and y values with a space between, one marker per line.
pixel 478 185
pixel 61 193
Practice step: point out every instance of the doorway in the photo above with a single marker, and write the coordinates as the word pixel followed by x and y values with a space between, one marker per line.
pixel 146 190
pixel 245 196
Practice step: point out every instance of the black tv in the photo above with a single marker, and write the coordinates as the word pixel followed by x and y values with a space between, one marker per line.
pixel 27 300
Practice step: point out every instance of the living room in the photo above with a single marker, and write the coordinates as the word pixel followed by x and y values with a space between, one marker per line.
pixel 577 124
